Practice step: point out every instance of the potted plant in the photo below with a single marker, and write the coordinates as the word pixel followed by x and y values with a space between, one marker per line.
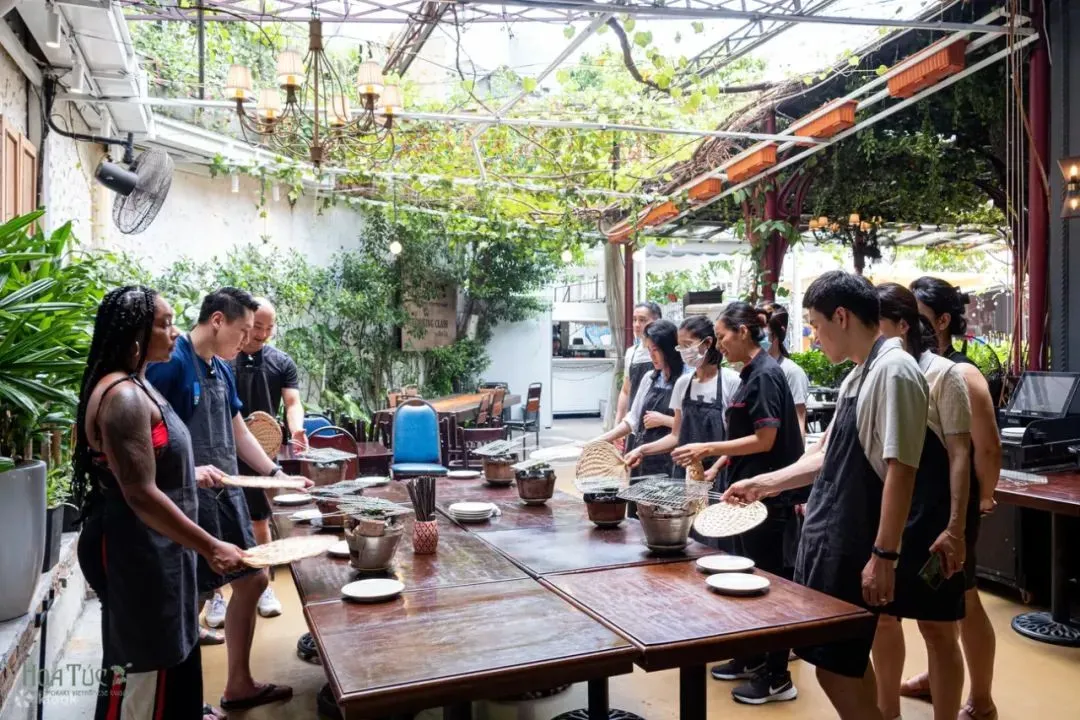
pixel 57 492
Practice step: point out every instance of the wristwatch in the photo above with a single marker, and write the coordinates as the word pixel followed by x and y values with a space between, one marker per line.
pixel 275 470
pixel 885 554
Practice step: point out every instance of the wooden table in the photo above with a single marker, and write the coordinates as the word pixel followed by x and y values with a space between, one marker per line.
pixel 1061 498
pixel 669 614
pixel 462 559
pixel 449 646
pixel 464 406
pixel 568 548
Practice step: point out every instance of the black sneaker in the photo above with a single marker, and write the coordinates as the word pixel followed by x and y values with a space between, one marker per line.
pixel 735 670
pixel 762 689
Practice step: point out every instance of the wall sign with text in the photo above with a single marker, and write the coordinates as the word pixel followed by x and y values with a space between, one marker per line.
pixel 433 323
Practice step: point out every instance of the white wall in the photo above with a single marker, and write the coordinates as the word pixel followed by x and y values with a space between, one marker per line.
pixel 202 218
pixel 520 355
pixel 12 92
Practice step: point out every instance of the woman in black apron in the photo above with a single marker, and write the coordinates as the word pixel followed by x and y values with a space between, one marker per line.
pixel 698 401
pixel 636 364
pixel 934 599
pixel 762 436
pixel 135 481
pixel 650 417
pixel 943 305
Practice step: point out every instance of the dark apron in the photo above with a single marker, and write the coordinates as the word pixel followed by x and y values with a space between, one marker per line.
pixel 223 512
pixel 929 516
pixel 637 372
pixel 838 533
pixel 253 387
pixel 658 400
pixel 703 421
pixel 146 582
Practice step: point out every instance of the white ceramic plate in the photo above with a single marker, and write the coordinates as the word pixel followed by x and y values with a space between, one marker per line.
pixel 738 583
pixel 339 550
pixel 471 508
pixel 724 563
pixel 308 515
pixel 374 480
pixel 293 499
pixel 463 474
pixel 374 590
pixel 472 518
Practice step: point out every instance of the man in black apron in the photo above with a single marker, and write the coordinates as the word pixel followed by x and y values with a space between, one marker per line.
pixel 199 384
pixel 636 364
pixel 265 378
pixel 865 470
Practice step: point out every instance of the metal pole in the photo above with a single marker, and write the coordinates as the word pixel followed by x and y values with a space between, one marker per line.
pixel 771 273
pixel 1038 210
pixel 668 12
pixel 202 52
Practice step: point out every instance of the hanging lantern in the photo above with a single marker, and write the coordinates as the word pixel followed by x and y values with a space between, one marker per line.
pixel 290 70
pixel 238 83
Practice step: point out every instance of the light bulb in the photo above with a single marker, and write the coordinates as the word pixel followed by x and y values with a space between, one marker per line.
pixel 395 248
pixel 567 256
pixel 1074 171
pixel 235 183
pixel 52 26
pixel 1074 203
pixel 77 85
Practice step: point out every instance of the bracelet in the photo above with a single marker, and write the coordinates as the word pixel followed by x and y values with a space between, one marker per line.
pixel 954 537
pixel 885 554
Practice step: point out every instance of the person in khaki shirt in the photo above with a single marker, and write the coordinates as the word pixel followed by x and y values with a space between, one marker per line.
pixel 934 534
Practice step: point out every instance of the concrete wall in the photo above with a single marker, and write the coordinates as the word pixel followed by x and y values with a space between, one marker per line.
pixel 12 92
pixel 520 355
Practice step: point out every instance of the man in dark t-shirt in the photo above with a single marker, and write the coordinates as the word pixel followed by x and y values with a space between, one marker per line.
pixel 267 378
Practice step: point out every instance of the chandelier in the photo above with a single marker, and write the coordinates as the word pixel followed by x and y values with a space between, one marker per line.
pixel 328 127
pixel 862 236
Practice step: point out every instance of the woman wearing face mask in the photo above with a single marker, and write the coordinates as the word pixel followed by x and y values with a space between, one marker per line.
pixel 698 399
pixel 650 417
pixel 934 532
pixel 943 305
pixel 762 436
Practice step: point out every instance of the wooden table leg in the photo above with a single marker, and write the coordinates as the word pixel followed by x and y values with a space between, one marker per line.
pixel 692 692
pixel 1055 627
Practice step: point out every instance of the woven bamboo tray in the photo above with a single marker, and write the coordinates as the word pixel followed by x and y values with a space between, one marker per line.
pixel 266 430
pixel 601 459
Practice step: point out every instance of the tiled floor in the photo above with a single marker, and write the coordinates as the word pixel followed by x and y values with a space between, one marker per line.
pixel 1033 680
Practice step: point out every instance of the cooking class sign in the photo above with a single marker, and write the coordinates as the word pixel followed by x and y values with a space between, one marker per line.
pixel 432 321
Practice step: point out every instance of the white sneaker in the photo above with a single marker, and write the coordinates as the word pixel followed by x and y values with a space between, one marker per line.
pixel 214 611
pixel 269 605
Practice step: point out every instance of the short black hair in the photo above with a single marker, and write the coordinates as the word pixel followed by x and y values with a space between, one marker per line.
pixel 665 336
pixel 229 301
pixel 838 289
pixel 653 309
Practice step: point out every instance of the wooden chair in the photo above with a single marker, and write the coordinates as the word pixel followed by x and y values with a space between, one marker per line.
pixel 483 415
pixel 530 421
pixel 471 438
pixel 497 409
pixel 338 438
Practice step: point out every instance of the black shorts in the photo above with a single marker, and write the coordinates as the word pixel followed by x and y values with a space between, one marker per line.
pixel 223 513
pixel 971 540
pixel 174 693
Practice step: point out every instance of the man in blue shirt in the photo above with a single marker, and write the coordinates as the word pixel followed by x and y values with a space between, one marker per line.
pixel 199 384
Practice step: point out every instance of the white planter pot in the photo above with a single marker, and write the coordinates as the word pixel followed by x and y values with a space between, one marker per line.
pixel 22 536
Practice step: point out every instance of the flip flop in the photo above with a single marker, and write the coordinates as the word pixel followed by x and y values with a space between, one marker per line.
pixel 209 710
pixel 210 637
pixel 968 713
pixel 915 690
pixel 269 693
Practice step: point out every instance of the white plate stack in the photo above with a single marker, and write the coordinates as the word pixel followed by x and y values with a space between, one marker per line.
pixel 467 512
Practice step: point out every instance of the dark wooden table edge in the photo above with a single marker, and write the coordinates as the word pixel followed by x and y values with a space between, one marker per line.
pixel 488 684
pixel 1015 496
pixel 723 647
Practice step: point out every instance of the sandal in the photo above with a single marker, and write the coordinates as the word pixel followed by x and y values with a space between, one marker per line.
pixel 915 688
pixel 269 693
pixel 968 712
pixel 209 711
pixel 210 637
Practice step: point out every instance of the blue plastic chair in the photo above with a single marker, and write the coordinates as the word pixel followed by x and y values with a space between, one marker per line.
pixel 314 422
pixel 417 450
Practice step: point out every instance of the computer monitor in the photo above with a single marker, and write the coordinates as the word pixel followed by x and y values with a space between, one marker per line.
pixel 1045 395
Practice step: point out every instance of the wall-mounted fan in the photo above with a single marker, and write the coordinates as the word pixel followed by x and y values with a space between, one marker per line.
pixel 140 189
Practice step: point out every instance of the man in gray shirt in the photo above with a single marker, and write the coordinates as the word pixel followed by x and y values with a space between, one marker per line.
pixel 863 474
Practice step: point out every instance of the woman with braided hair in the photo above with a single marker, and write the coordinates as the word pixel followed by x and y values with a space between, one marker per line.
pixel 135 482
